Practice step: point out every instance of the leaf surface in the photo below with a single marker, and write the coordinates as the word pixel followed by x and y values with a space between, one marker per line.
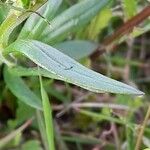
pixel 77 49
pixel 21 90
pixel 68 69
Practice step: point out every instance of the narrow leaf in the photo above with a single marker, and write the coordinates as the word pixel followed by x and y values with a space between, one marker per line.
pixel 21 90
pixel 35 24
pixel 47 111
pixel 68 69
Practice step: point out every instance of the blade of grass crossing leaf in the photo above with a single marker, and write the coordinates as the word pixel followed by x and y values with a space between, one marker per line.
pixel 47 110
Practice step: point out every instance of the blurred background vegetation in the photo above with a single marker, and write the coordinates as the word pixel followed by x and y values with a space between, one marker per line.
pixel 84 120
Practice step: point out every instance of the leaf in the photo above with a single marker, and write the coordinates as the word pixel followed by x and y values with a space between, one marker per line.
pixel 30 145
pixel 98 23
pixel 130 8
pixel 35 24
pixel 68 69
pixel 21 71
pixel 20 90
pixel 3 13
pixel 77 49
pixel 48 119
pixel 25 3
pixel 72 19
pixel 12 21
pixel 21 115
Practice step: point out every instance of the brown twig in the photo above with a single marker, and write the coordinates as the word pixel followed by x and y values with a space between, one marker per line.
pixel 126 28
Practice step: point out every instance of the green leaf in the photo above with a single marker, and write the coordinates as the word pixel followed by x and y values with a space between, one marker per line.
pixel 25 3
pixel 30 145
pixel 98 23
pixel 12 21
pixel 77 49
pixel 3 13
pixel 47 111
pixel 68 69
pixel 35 24
pixel 130 8
pixel 21 115
pixel 21 90
pixel 72 19
pixel 21 71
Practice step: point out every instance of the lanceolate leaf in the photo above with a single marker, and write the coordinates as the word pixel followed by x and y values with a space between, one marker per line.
pixel 21 90
pixel 68 69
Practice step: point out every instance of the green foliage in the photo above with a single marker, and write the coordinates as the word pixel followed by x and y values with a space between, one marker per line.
pixel 51 37
pixel 48 119
pixel 66 68
pixel 21 90
pixel 98 23
pixel 30 145
pixel 77 49
pixel 70 20
pixel 130 8
pixel 25 3
pixel 21 115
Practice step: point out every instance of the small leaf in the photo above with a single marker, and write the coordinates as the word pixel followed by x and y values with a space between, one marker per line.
pixel 77 49
pixel 68 69
pixel 20 90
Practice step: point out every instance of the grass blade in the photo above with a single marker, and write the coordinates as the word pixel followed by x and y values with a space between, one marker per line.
pixel 47 110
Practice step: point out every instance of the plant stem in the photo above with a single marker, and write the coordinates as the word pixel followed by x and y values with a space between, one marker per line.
pixel 139 139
